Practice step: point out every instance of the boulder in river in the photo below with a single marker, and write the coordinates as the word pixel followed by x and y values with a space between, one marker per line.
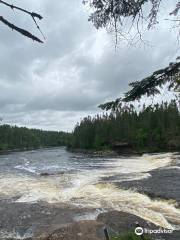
pixel 46 174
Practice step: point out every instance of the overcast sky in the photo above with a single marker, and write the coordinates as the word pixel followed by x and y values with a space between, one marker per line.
pixel 54 85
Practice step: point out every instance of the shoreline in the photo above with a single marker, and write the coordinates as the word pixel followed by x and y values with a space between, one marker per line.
pixel 112 153
pixel 58 222
pixel 93 152
pixel 8 151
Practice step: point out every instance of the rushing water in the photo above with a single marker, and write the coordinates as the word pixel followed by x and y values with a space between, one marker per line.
pixel 77 180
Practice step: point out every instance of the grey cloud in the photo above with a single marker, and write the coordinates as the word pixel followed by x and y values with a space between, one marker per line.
pixel 66 102
pixel 53 85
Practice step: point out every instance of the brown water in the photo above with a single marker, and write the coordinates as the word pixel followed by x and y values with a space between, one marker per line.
pixel 76 180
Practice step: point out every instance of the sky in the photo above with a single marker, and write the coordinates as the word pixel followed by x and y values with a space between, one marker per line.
pixel 54 85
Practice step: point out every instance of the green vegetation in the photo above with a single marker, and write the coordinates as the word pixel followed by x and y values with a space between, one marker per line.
pixel 149 86
pixel 130 236
pixel 155 128
pixel 12 137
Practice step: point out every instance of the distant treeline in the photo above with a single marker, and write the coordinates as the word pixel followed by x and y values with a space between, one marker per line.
pixel 153 128
pixel 13 137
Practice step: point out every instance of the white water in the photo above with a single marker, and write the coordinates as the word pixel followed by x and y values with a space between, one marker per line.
pixel 14 235
pixel 85 188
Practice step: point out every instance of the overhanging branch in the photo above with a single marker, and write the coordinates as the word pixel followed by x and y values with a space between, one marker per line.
pixel 149 86
pixel 32 14
pixel 20 30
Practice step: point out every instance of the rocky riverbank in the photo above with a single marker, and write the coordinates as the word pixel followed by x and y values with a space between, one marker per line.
pixel 42 221
pixel 116 223
pixel 163 183
pixel 94 153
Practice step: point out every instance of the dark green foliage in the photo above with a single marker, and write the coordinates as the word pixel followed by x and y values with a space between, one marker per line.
pixel 125 16
pixel 114 12
pixel 149 86
pixel 153 128
pixel 130 236
pixel 12 137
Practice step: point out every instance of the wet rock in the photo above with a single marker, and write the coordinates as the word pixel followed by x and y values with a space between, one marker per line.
pixel 121 222
pixel 116 223
pixel 46 174
pixel 84 230
pixel 163 183
pixel 42 218
pixel 59 223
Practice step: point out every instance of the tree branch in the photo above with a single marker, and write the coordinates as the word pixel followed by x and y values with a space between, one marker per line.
pixel 20 30
pixel 149 86
pixel 32 14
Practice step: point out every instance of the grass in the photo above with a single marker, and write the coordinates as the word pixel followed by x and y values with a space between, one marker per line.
pixel 130 236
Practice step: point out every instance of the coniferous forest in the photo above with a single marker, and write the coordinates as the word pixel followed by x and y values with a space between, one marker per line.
pixel 13 137
pixel 154 128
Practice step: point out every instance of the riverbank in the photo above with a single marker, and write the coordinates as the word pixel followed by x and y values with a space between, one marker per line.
pixel 112 153
pixel 94 152
pixel 42 221
pixel 16 150
pixel 88 152
pixel 14 138
pixel 116 222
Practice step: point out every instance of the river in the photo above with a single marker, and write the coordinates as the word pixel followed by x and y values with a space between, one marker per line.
pixel 60 178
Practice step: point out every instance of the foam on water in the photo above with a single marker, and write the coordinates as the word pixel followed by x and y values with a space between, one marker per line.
pixel 111 198
pixel 15 235
pixel 83 189
pixel 26 168
pixel 89 215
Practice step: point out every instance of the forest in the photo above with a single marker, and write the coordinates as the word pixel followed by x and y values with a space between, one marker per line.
pixel 153 128
pixel 13 137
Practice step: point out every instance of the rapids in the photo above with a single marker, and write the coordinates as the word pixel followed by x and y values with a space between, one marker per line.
pixel 57 176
